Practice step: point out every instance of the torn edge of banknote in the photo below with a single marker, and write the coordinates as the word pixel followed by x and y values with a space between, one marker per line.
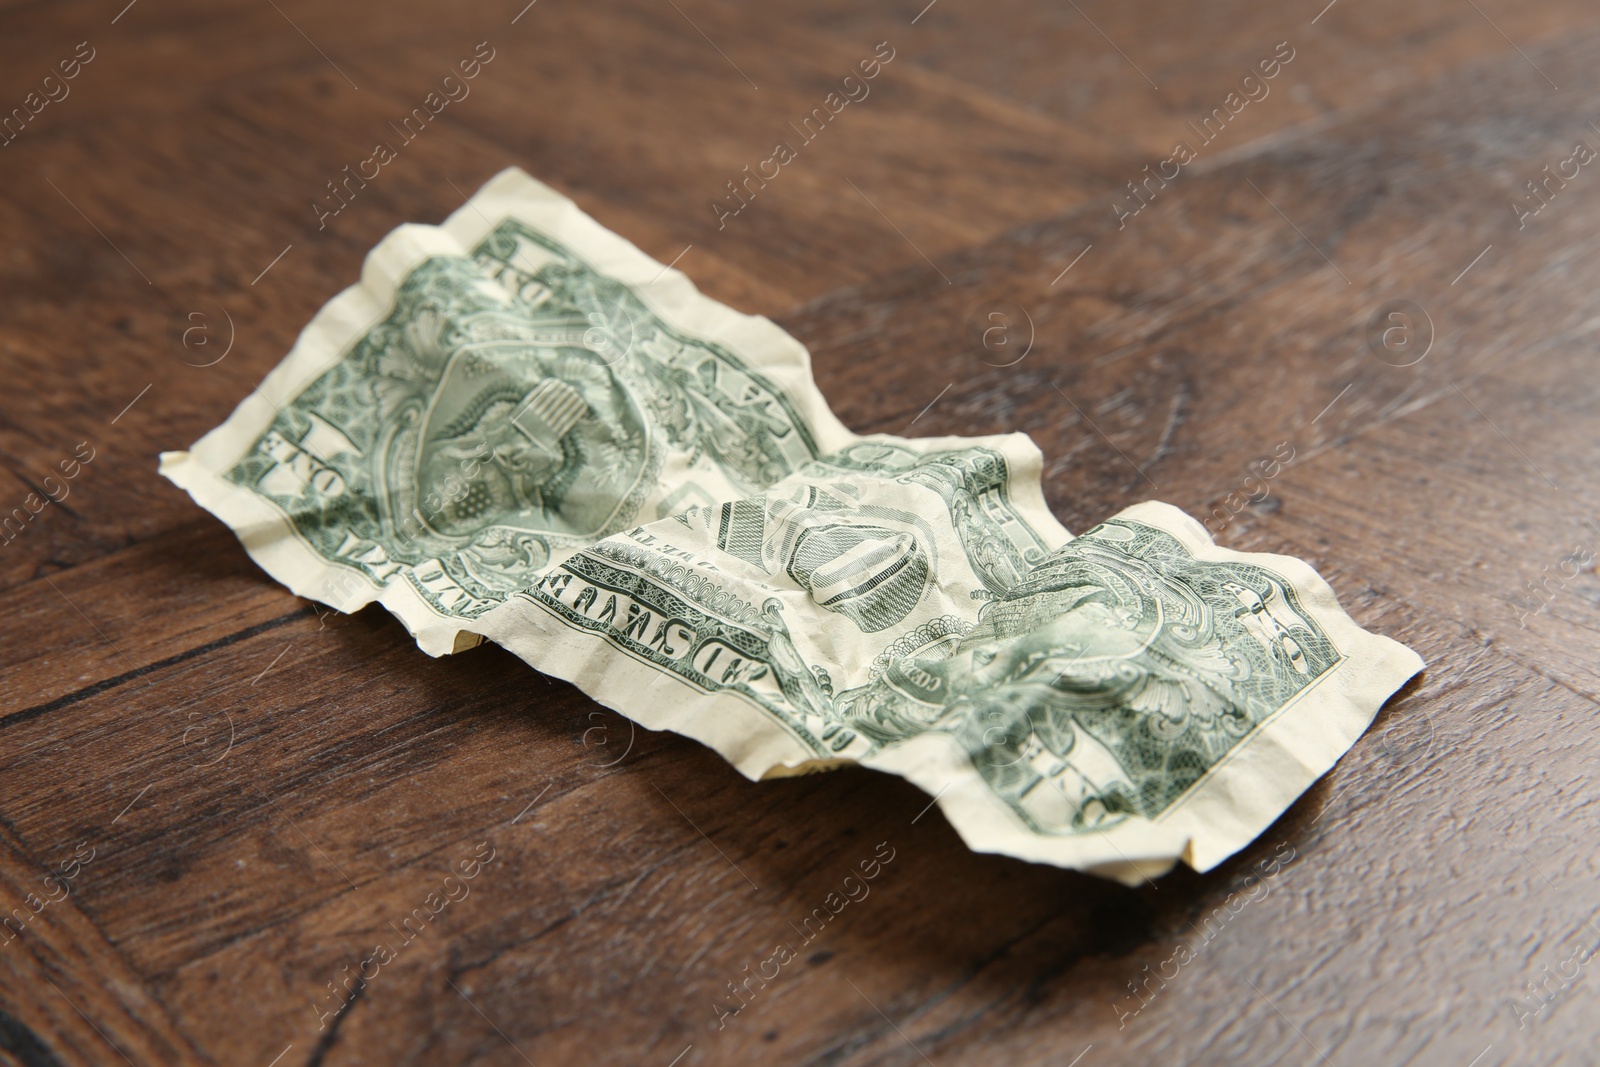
pixel 268 532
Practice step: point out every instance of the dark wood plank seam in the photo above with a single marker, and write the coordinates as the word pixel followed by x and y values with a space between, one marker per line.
pixel 19 1039
pixel 326 1043
pixel 97 688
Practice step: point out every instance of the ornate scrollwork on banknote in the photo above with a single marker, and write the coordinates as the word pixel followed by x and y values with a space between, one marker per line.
pixel 491 398
pixel 1074 699
pixel 520 427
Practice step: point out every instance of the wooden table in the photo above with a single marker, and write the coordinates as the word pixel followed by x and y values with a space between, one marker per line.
pixel 245 794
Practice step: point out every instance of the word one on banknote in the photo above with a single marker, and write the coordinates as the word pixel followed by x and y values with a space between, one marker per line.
pixel 518 427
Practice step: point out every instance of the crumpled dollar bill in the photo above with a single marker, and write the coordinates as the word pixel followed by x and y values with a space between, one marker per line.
pixel 519 427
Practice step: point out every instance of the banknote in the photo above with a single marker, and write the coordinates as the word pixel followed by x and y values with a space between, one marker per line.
pixel 519 427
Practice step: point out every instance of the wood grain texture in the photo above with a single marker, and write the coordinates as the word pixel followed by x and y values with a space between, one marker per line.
pixel 268 790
